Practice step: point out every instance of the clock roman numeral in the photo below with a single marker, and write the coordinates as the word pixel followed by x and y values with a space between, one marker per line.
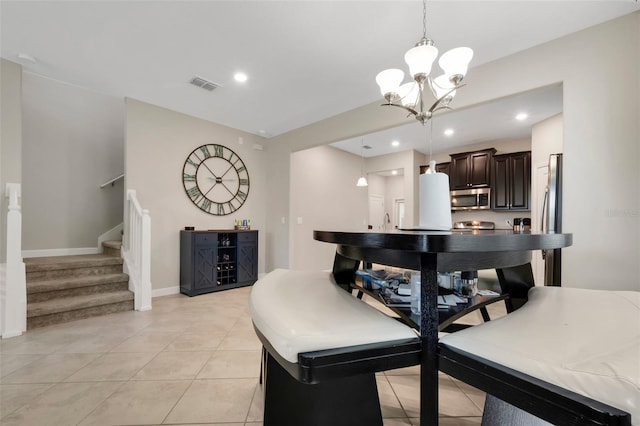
pixel 193 163
pixel 241 169
pixel 220 209
pixel 231 207
pixel 188 178
pixel 241 195
pixel 205 151
pixel 218 150
pixel 244 181
pixel 205 205
pixel 194 193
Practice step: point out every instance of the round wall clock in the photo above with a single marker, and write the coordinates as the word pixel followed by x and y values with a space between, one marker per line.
pixel 215 179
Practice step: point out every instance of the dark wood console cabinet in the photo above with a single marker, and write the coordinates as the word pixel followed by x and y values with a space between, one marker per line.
pixel 217 260
pixel 511 181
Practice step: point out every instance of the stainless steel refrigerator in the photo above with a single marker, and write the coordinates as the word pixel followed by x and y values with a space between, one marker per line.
pixel 552 219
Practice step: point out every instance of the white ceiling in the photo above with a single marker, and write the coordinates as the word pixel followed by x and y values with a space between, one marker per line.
pixel 306 60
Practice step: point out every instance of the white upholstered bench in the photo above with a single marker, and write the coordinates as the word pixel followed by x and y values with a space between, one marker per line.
pixel 323 347
pixel 568 356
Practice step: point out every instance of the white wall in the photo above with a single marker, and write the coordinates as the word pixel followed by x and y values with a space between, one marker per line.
pixel 73 141
pixel 410 162
pixel 158 141
pixel 276 235
pixel 394 186
pixel 601 115
pixel 324 195
pixel 546 138
pixel 10 138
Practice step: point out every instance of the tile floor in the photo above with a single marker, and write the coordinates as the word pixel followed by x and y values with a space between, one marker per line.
pixel 187 361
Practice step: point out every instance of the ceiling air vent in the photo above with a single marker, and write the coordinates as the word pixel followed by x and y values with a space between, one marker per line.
pixel 205 84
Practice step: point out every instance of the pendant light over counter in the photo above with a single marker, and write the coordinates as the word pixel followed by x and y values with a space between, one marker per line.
pixel 362 181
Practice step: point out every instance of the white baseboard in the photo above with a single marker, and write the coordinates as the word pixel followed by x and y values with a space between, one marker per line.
pixel 167 291
pixel 60 252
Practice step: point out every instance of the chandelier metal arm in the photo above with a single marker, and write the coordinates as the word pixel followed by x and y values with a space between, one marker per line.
pixel 422 115
pixel 411 110
pixel 435 107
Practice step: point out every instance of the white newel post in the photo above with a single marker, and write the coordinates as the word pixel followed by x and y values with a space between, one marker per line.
pixel 137 251
pixel 15 292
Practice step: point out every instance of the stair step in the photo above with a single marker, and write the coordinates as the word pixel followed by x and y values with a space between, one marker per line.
pixel 112 248
pixel 39 291
pixel 67 288
pixel 65 283
pixel 46 268
pixel 71 308
pixel 53 263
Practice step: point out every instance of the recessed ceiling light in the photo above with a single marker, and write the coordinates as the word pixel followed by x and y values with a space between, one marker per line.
pixel 240 77
pixel 394 172
pixel 395 143
pixel 448 132
pixel 522 116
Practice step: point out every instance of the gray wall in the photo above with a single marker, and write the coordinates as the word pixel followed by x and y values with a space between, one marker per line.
pixel 10 138
pixel 324 196
pixel 73 141
pixel 158 143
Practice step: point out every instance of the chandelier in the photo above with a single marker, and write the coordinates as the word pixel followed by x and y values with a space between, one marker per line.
pixel 411 96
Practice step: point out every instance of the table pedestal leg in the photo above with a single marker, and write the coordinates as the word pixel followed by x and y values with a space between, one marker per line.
pixel 429 337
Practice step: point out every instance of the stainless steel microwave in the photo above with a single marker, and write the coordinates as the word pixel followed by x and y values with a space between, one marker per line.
pixel 471 199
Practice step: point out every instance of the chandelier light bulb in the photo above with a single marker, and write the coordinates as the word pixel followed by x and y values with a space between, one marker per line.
pixel 455 62
pixel 389 81
pixel 420 59
pixel 362 181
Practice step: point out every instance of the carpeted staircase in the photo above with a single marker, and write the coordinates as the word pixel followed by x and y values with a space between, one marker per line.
pixel 67 288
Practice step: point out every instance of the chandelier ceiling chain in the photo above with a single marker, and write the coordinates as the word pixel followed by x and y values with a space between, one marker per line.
pixel 411 96
pixel 424 19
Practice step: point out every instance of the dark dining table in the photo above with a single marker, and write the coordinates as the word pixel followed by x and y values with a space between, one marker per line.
pixel 431 252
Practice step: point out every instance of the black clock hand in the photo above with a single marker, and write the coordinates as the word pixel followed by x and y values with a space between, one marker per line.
pixel 207 167
pixel 220 180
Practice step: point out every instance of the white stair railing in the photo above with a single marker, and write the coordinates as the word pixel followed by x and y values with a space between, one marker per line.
pixel 136 251
pixel 13 291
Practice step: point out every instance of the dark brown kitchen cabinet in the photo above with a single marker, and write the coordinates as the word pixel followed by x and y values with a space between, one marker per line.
pixel 217 260
pixel 440 168
pixel 443 168
pixel 511 181
pixel 471 169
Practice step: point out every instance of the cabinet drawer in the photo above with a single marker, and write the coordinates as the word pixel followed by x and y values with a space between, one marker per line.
pixel 207 238
pixel 247 237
